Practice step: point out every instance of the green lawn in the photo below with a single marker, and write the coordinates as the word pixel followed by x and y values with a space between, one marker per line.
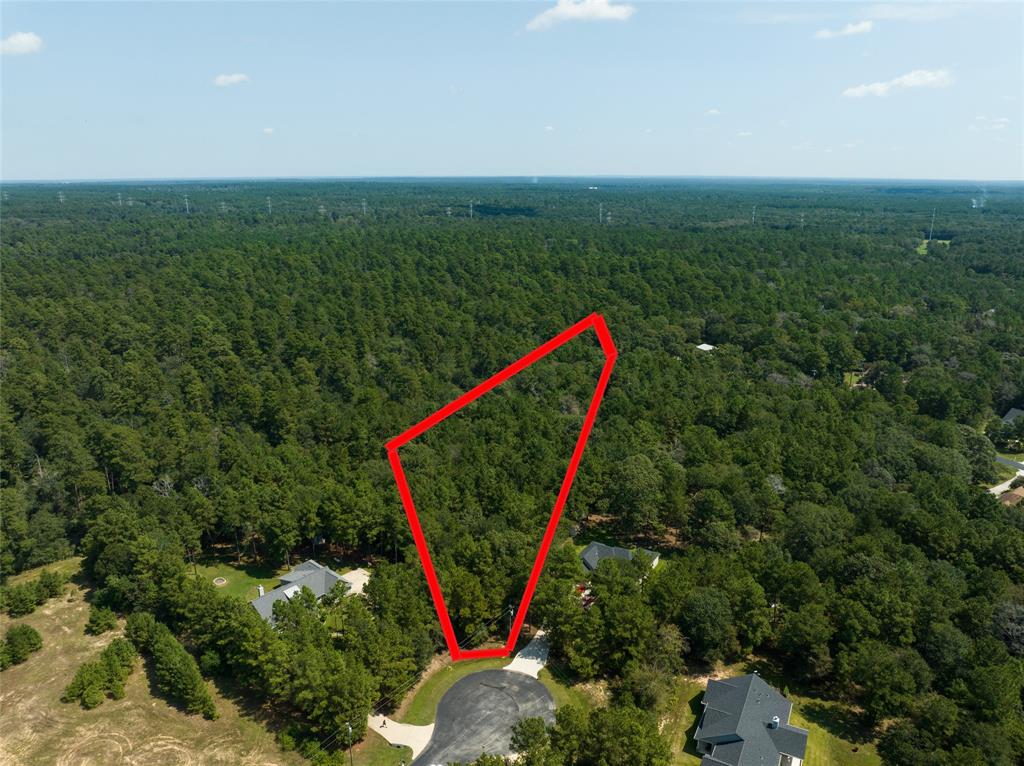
pixel 563 692
pixel 852 378
pixel 423 706
pixel 682 709
pixel 828 722
pixel 374 750
pixel 242 580
pixel 1003 472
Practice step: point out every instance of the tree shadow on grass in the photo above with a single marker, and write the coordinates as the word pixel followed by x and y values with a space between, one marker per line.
pixel 248 704
pixel 838 721
pixel 690 744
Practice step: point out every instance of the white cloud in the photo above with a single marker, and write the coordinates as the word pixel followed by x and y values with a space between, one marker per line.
pixel 224 80
pixel 981 122
pixel 580 10
pixel 712 113
pixel 858 28
pixel 20 43
pixel 744 134
pixel 268 131
pixel 919 78
pixel 549 128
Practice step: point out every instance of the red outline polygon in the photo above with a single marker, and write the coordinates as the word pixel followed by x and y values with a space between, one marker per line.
pixel 597 323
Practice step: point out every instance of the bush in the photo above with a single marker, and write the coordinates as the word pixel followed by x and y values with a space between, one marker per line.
pixel 19 643
pixel 104 677
pixel 101 619
pixel 140 630
pixel 209 663
pixel 19 600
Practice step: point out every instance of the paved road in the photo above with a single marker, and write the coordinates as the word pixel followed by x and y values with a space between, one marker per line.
pixel 1011 463
pixel 476 716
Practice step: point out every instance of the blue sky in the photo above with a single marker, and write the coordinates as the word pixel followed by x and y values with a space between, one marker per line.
pixel 582 87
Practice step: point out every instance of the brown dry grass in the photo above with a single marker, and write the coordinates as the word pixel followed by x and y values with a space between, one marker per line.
pixel 139 730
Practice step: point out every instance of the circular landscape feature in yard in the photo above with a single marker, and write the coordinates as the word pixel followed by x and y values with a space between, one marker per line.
pixel 220 582
pixel 477 714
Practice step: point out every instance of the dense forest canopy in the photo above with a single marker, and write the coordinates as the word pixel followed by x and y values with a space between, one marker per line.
pixel 226 376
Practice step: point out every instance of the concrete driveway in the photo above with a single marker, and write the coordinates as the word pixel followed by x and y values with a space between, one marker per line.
pixel 477 714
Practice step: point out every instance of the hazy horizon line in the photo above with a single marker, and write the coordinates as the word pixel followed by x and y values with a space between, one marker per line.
pixel 530 178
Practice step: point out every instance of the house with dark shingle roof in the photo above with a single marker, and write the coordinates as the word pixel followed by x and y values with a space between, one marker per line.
pixel 1011 415
pixel 746 723
pixel 596 552
pixel 309 574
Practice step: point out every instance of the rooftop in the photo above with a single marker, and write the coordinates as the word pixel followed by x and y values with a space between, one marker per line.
pixel 309 574
pixel 596 552
pixel 738 721
pixel 1012 415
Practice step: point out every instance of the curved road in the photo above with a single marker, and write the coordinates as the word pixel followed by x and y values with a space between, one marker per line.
pixel 476 716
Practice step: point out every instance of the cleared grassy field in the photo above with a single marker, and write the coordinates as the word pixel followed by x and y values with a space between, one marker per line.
pixel 69 567
pixel 140 729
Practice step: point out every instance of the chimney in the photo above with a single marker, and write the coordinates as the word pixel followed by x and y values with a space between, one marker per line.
pixel 775 722
pixel 259 588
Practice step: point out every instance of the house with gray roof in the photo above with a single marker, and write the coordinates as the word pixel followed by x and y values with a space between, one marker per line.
pixel 745 722
pixel 596 552
pixel 1011 415
pixel 309 574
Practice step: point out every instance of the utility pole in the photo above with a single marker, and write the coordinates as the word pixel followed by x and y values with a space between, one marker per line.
pixel 350 759
pixel 120 202
pixel 600 213
pixel 753 214
pixel 471 211
pixel 270 209
pixel 187 211
pixel 364 207
pixel 932 227
pixel 60 197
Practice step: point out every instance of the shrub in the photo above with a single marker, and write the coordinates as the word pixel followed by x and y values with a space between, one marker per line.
pixel 209 663
pixel 20 642
pixel 19 600
pixel 140 630
pixel 101 619
pixel 104 677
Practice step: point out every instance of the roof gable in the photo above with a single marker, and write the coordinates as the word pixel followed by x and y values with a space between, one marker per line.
pixel 737 719
pixel 309 574
pixel 597 552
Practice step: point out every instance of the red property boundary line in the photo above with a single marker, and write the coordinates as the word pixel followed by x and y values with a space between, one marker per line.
pixel 595 322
